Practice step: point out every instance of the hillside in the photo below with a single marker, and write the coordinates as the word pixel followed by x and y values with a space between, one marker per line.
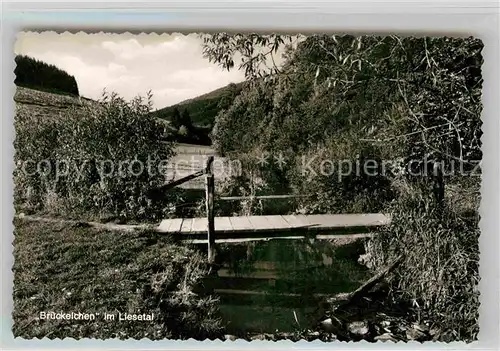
pixel 203 109
pixel 40 104
pixel 46 105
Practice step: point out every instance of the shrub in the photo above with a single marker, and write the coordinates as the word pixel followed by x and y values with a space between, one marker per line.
pixel 101 161
pixel 333 179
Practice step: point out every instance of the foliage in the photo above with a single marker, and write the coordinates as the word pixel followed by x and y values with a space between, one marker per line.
pixel 409 103
pixel 329 186
pixel 36 74
pixel 396 98
pixel 101 160
pixel 254 49
pixel 87 270
pixel 179 119
pixel 440 270
pixel 186 120
pixel 429 87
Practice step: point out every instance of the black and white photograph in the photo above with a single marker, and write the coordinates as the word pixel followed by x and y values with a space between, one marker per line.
pixel 247 185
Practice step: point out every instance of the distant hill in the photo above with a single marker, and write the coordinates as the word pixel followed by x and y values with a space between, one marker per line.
pixel 203 109
pixel 35 74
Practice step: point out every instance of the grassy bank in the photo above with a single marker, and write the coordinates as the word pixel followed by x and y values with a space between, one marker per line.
pixel 59 268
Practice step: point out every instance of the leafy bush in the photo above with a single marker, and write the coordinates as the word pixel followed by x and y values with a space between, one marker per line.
pixel 36 74
pixel 101 161
pixel 384 99
pixel 332 178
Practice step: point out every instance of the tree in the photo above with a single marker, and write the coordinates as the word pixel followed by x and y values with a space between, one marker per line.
pixel 374 98
pixel 435 83
pixel 186 120
pixel 176 119
pixel 256 51
pixel 228 96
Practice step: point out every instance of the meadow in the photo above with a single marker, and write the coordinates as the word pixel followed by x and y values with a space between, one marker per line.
pixel 73 268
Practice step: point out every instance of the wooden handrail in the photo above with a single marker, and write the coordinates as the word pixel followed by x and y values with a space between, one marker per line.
pixel 181 181
pixel 208 169
pixel 261 197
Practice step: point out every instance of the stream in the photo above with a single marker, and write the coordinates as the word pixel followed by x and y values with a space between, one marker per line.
pixel 278 285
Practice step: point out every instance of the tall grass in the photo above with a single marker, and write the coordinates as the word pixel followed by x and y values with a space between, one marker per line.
pixel 440 271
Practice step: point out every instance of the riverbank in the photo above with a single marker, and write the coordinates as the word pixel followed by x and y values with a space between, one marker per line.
pixel 66 267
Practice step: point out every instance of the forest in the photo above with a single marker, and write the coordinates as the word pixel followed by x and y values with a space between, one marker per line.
pixel 36 74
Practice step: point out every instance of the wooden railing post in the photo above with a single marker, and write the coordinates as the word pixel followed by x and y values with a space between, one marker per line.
pixel 210 187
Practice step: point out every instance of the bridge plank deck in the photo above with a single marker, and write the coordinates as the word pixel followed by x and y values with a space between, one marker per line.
pixel 186 225
pixel 170 225
pixel 275 224
pixel 199 225
pixel 297 221
pixel 223 224
pixel 241 223
pixel 261 222
pixel 278 222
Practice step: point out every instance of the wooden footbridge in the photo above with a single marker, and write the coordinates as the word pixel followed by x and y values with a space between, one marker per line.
pixel 269 226
pixel 210 228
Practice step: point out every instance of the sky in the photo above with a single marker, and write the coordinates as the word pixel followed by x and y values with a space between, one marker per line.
pixel 170 65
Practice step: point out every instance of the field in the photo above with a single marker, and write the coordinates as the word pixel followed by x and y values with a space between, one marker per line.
pixel 192 158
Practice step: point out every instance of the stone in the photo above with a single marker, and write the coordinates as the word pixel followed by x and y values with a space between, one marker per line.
pixel 446 336
pixel 258 337
pixel 434 332
pixel 420 327
pixel 365 260
pixel 229 337
pixel 385 337
pixel 358 328
pixel 417 333
pixel 331 325
pixel 310 336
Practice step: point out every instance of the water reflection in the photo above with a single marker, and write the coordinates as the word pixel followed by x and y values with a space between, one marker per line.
pixel 278 284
